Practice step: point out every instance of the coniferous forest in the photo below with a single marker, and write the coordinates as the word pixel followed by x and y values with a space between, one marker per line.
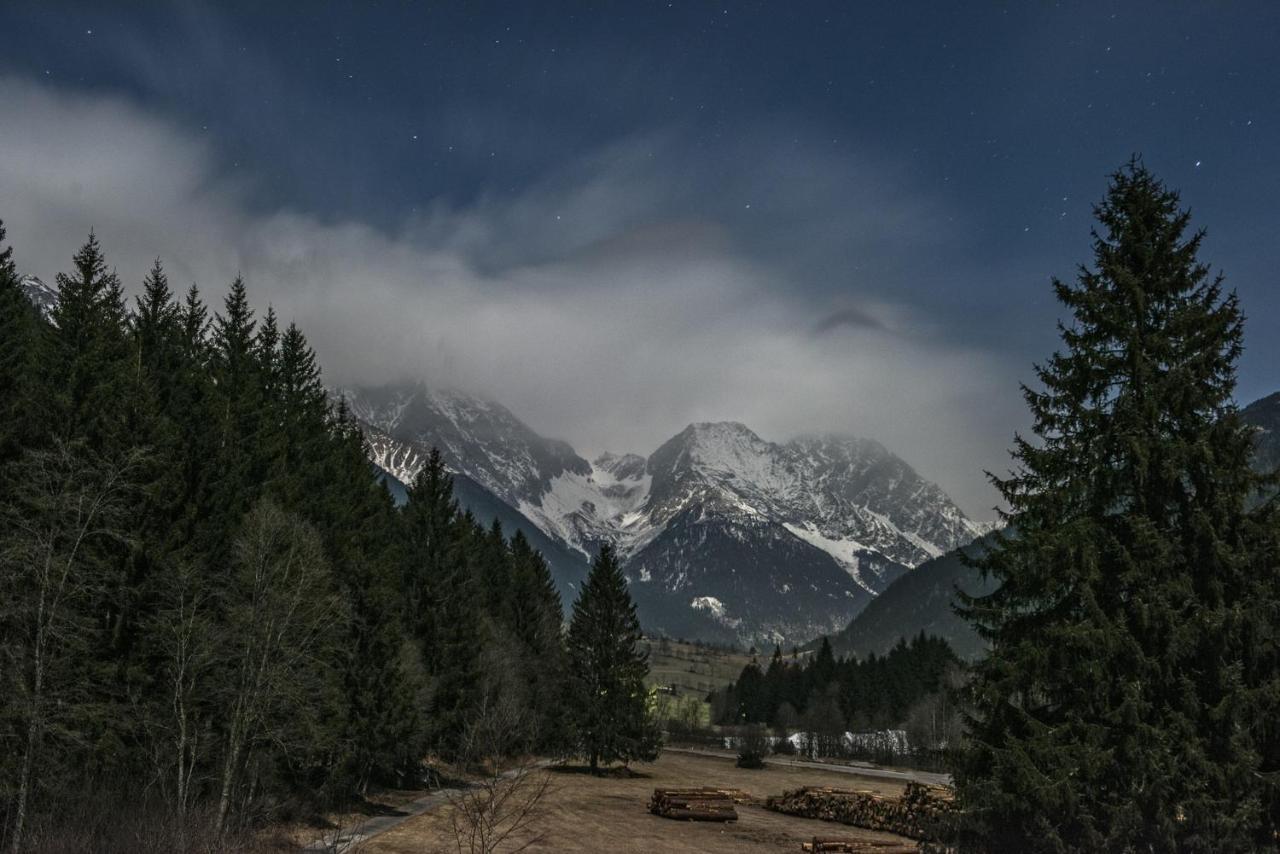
pixel 211 611
pixel 213 615
pixel 828 696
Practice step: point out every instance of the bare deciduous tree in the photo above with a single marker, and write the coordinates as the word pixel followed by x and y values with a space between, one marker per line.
pixel 65 499
pixel 500 810
pixel 183 630
pixel 281 610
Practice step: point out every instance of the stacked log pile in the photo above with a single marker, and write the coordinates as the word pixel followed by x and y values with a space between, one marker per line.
pixel 857 846
pixel 701 804
pixel 920 813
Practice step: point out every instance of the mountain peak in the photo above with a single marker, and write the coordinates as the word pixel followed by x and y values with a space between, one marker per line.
pixel 823 522
pixel 721 444
pixel 43 297
pixel 620 466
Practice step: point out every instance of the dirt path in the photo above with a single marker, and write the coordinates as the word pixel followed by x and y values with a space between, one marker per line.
pixel 590 814
pixel 904 775
pixel 348 839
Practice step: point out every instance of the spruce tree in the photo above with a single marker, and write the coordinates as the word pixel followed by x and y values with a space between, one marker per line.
pixel 87 362
pixel 443 599
pixel 1131 639
pixel 535 617
pixel 20 328
pixel 608 666
pixel 427 518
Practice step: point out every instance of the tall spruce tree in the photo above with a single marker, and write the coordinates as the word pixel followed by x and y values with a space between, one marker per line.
pixel 87 361
pixel 535 617
pixel 608 667
pixel 20 328
pixel 1133 629
pixel 444 600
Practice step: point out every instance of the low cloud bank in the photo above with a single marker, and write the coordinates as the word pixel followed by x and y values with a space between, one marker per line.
pixel 605 304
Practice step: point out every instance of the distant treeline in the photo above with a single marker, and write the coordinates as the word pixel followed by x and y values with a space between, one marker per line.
pixel 209 604
pixel 828 695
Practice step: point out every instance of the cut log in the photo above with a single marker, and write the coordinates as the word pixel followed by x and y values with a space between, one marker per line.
pixel 857 846
pixel 920 813
pixel 698 804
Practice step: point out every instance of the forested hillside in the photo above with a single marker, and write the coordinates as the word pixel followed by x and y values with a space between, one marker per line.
pixel 922 600
pixel 210 603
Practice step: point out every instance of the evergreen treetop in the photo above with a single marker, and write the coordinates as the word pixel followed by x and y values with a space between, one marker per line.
pixel 1114 710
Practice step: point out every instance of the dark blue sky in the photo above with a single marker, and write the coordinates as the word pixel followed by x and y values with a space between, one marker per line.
pixel 938 156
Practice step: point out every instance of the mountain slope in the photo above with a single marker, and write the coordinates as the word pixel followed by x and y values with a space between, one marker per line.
pixel 1264 416
pixel 568 567
pixel 922 600
pixel 724 535
pixel 43 297
pixel 919 601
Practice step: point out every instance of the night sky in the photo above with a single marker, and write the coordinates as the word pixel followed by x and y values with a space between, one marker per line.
pixel 906 176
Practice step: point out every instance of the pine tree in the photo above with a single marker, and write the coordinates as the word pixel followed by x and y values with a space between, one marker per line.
pixel 535 617
pixel 87 363
pixel 443 599
pixel 428 517
pixel 382 672
pixel 156 328
pixel 1118 707
pixel 608 668
pixel 241 457
pixel 20 328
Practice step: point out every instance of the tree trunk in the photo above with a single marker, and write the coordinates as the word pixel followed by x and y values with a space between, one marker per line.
pixel 228 779
pixel 33 729
pixel 24 786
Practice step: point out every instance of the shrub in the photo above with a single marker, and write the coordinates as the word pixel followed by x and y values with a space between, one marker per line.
pixel 753 746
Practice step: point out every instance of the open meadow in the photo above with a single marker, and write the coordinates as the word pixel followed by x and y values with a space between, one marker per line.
pixel 610 814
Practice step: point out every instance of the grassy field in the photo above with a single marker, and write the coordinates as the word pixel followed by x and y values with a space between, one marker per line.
pixel 692 669
pixel 610 814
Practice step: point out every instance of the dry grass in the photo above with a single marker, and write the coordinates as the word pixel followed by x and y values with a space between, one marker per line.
pixel 694 670
pixel 610 814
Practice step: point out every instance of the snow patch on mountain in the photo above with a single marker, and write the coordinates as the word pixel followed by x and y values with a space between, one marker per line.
pixel 790 539
pixel 846 552
pixel 43 297
pixel 715 608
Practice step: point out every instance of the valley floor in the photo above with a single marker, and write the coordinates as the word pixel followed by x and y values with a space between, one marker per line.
pixel 610 814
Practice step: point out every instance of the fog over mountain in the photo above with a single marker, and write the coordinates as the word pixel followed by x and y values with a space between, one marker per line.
pixel 598 303
pixel 610 302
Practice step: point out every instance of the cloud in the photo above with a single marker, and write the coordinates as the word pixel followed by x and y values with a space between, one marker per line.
pixel 609 303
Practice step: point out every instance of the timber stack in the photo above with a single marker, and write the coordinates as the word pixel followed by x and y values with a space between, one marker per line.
pixel 701 804
pixel 857 846
pixel 920 813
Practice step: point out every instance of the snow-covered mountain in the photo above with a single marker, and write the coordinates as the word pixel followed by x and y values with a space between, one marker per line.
pixel 41 295
pixel 724 535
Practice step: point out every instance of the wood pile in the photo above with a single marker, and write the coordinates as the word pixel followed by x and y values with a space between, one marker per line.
pixel 700 804
pixel 920 813
pixel 857 846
